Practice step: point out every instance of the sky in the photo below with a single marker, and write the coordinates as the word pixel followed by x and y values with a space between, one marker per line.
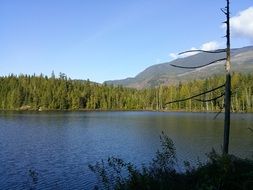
pixel 104 40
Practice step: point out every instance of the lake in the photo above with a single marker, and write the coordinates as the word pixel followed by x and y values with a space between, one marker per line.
pixel 60 145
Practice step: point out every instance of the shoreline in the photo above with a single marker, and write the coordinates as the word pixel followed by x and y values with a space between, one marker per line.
pixel 114 110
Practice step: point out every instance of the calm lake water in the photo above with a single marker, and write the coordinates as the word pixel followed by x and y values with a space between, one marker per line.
pixel 60 145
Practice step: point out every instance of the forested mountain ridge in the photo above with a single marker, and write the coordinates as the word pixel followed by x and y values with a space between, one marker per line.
pixel 164 73
pixel 26 92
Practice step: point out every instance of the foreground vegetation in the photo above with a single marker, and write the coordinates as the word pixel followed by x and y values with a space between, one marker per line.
pixel 225 172
pixel 60 93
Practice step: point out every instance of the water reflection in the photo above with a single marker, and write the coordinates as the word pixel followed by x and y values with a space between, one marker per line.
pixel 60 145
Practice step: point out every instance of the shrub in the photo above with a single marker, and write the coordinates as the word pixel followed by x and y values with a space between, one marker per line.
pixel 220 172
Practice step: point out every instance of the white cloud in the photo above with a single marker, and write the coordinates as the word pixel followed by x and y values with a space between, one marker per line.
pixel 173 55
pixel 176 55
pixel 208 46
pixel 242 24
pixel 189 53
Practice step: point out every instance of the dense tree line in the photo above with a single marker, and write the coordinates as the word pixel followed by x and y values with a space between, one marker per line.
pixel 61 93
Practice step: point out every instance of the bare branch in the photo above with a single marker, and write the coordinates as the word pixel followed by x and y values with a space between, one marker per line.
pixel 221 108
pixel 204 51
pixel 210 100
pixel 200 66
pixel 224 10
pixel 217 114
pixel 181 100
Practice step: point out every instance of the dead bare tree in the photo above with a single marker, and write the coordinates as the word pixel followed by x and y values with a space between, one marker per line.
pixel 227 92
pixel 227 99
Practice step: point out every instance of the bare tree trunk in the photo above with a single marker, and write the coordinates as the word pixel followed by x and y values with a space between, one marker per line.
pixel 227 113
pixel 227 87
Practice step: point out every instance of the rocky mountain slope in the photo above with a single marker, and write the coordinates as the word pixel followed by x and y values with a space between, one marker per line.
pixel 164 73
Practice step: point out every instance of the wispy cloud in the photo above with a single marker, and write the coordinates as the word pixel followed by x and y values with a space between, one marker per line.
pixel 242 24
pixel 208 46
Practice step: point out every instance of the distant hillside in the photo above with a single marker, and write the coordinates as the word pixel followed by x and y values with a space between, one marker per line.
pixel 164 73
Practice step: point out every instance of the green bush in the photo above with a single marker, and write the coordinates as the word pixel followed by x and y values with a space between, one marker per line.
pixel 220 172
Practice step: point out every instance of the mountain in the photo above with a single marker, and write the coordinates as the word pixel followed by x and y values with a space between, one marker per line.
pixel 164 73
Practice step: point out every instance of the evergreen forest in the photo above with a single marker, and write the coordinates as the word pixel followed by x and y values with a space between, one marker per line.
pixel 26 92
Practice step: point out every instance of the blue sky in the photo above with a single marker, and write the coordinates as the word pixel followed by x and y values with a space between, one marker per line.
pixel 111 39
